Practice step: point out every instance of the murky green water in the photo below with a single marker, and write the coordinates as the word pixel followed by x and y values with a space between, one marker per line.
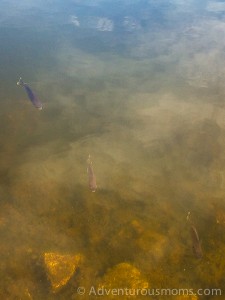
pixel 138 85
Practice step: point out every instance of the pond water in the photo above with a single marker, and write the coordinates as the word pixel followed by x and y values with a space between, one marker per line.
pixel 138 85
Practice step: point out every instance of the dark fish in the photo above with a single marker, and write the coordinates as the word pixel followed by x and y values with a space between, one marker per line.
pixel 33 98
pixel 91 176
pixel 196 244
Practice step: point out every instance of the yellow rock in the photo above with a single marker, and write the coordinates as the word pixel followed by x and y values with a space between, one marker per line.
pixel 60 268
pixel 123 275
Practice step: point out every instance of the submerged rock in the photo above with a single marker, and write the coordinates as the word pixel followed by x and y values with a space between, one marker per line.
pixel 124 278
pixel 60 268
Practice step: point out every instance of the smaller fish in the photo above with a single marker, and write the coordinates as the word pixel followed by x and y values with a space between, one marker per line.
pixel 196 244
pixel 91 176
pixel 33 98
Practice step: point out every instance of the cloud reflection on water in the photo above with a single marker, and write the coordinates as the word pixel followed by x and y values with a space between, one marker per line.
pixel 147 104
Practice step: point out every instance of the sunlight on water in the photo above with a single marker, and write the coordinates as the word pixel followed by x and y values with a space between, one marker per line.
pixel 138 85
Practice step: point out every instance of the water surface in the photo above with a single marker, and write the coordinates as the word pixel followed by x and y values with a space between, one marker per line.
pixel 138 85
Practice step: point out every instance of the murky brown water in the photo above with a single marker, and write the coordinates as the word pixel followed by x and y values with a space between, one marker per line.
pixel 145 99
